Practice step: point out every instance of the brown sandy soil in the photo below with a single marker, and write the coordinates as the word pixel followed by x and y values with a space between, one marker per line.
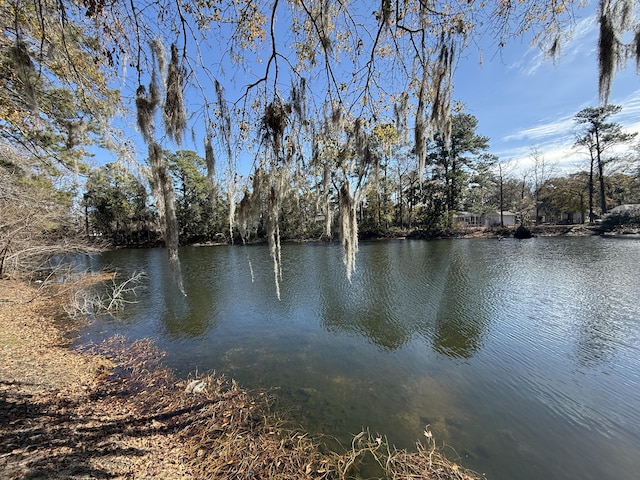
pixel 51 424
pixel 113 411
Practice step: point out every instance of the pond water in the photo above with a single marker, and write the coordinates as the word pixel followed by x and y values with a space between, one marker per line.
pixel 522 356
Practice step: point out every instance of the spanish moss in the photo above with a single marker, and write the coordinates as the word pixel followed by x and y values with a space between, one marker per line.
pixel 159 53
pixel 231 201
pixel 400 112
pixel 299 100
pixel 155 161
pixel 348 228
pixel 25 72
pixel 274 123
pixel 162 185
pixel 442 84
pixel 361 142
pixel 225 118
pixel 419 132
pixel 248 212
pixel 175 116
pixel 244 217
pixel 146 106
pixel 636 47
pixel 386 12
pixel 273 230
pixel 210 161
pixel 606 57
pixel 328 211
pixel 160 179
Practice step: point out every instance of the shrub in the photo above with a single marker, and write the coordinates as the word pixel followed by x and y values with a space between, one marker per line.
pixel 623 215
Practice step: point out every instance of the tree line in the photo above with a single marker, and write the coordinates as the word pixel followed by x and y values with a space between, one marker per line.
pixel 327 97
pixel 459 176
pixel 46 214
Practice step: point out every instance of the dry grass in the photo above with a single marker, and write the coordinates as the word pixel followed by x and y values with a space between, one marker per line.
pixel 113 411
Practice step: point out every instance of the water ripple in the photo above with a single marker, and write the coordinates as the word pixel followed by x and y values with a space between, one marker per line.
pixel 517 352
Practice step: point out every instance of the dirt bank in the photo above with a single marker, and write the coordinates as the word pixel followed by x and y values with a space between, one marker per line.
pixel 113 411
pixel 54 423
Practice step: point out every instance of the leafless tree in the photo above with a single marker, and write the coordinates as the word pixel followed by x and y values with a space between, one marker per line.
pixel 36 221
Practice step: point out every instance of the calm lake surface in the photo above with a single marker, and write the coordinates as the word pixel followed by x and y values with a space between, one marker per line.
pixel 522 356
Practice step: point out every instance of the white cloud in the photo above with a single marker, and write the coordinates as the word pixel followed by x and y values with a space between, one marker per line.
pixel 533 104
pixel 542 131
pixel 584 32
pixel 554 139
pixel 560 155
pixel 558 151
pixel 630 113
pixel 579 40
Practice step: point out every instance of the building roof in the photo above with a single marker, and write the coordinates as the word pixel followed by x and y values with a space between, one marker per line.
pixel 497 212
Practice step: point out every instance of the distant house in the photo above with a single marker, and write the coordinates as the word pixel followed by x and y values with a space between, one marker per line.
pixel 568 218
pixel 492 219
pixel 559 217
pixel 468 219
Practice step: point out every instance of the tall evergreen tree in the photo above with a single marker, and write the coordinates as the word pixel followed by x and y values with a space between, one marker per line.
pixel 116 206
pixel 198 208
pixel 452 159
pixel 598 137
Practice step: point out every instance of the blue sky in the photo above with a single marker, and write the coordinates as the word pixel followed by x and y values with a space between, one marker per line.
pixel 523 100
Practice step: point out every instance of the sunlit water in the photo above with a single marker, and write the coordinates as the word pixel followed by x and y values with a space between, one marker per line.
pixel 522 356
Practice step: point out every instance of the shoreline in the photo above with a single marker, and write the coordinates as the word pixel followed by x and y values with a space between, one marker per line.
pixel 545 230
pixel 574 230
pixel 113 411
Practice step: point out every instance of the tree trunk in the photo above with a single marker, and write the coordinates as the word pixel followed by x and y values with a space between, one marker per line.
pixel 86 217
pixel 603 198
pixel 501 201
pixel 400 209
pixel 591 215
